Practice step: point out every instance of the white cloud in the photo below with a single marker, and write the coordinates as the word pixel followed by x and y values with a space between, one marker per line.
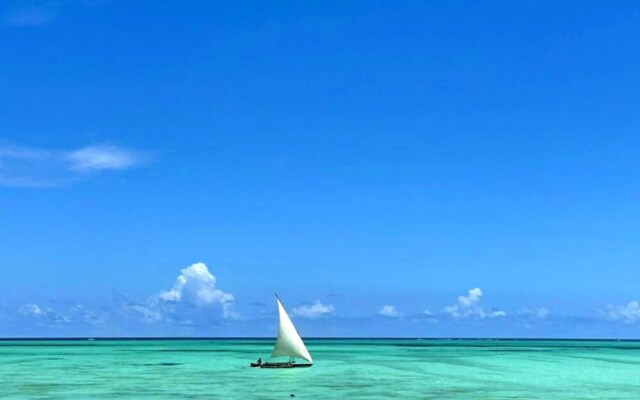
pixel 468 306
pixel 427 312
pixel 31 310
pixel 535 313
pixel 629 313
pixel 74 314
pixel 35 167
pixel 471 299
pixel 102 157
pixel 80 313
pixel 316 310
pixel 542 312
pixel 142 312
pixel 389 311
pixel 497 313
pixel 45 314
pixel 197 286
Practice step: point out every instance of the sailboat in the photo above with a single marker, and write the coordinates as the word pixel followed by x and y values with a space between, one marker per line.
pixel 288 344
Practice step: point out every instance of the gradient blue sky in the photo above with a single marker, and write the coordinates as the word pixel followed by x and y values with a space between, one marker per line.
pixel 349 155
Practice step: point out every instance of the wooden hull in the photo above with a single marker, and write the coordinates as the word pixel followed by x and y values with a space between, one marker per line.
pixel 284 365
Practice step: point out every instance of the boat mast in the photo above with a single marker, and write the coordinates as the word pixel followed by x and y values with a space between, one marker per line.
pixel 288 342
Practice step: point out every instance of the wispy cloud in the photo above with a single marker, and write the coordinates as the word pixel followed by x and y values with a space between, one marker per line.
pixel 37 13
pixel 102 158
pixel 81 314
pixel 147 313
pixel 535 313
pixel 389 311
pixel 43 314
pixel 38 167
pixel 30 16
pixel 315 310
pixel 629 313
pixel 75 314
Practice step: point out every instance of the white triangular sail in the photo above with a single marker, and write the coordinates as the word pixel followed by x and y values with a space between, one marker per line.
pixel 289 343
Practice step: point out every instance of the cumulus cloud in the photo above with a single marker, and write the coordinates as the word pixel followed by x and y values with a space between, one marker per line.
pixel 629 313
pixel 197 286
pixel 471 299
pixel 316 310
pixel 187 303
pixel 389 311
pixel 469 306
pixel 36 167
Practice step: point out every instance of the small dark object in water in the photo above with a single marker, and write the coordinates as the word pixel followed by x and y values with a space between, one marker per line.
pixel 292 395
pixel 286 364
pixel 258 363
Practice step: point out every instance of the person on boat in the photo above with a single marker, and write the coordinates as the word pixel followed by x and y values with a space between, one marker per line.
pixel 259 361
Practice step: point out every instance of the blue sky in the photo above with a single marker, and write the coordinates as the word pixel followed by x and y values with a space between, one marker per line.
pixel 389 168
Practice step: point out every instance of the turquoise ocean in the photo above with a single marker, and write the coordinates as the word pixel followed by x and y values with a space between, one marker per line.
pixel 344 369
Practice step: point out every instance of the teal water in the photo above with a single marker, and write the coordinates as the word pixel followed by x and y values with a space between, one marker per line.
pixel 355 369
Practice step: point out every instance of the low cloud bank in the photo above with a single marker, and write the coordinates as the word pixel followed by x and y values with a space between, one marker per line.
pixel 628 313
pixel 469 306
pixel 315 310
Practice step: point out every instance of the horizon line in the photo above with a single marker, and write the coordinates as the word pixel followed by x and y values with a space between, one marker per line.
pixel 442 338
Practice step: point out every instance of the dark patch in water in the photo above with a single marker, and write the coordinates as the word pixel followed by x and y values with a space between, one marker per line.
pixel 524 348
pixel 162 364
pixel 195 351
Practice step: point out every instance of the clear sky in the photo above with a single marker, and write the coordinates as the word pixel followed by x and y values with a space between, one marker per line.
pixel 389 168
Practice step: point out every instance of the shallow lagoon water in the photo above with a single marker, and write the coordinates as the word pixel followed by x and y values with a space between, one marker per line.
pixel 355 369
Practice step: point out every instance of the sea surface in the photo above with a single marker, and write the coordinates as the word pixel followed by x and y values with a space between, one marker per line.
pixel 344 369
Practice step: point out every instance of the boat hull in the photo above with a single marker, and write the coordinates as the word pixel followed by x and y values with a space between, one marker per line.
pixel 285 365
